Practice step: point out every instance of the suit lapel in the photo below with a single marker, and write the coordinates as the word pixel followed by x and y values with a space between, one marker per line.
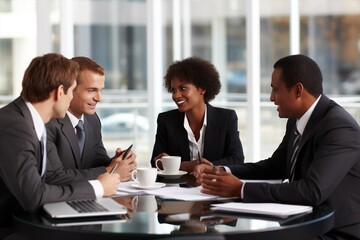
pixel 180 135
pixel 19 102
pixel 314 123
pixel 212 127
pixel 69 132
pixel 311 127
pixel 89 134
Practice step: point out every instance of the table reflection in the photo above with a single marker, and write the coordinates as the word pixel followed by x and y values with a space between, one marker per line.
pixel 152 217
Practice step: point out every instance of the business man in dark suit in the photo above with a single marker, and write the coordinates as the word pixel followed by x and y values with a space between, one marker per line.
pixel 323 166
pixel 62 133
pixel 48 84
pixel 196 130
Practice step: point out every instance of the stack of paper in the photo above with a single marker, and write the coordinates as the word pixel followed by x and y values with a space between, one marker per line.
pixel 273 209
pixel 167 192
pixel 184 194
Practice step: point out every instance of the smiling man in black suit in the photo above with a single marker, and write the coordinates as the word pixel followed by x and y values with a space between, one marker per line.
pixel 323 168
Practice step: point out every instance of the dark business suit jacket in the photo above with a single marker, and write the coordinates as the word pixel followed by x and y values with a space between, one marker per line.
pixel 222 144
pixel 62 140
pixel 327 169
pixel 20 166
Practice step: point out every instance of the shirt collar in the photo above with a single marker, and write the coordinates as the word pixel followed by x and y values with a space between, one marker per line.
pixel 301 122
pixel 74 120
pixel 186 122
pixel 37 120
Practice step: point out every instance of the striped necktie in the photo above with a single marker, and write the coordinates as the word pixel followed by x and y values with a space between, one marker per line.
pixel 294 154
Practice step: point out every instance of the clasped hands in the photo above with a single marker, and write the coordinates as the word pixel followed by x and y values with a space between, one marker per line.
pixel 215 181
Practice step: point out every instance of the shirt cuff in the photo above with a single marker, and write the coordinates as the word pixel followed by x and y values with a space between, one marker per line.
pixel 227 169
pixel 242 191
pixel 98 188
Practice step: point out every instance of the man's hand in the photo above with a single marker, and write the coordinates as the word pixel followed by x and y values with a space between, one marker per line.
pixel 109 182
pixel 202 168
pixel 126 166
pixel 221 183
pixel 189 166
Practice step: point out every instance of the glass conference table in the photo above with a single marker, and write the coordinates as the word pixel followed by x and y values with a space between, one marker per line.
pixel 149 217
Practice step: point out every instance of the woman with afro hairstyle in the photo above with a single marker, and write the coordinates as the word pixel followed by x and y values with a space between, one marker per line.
pixel 196 129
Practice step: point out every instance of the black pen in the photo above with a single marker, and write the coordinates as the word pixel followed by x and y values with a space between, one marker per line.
pixel 199 157
pixel 124 156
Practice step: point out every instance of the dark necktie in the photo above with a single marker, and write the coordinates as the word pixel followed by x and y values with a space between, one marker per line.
pixel 80 133
pixel 294 154
pixel 43 153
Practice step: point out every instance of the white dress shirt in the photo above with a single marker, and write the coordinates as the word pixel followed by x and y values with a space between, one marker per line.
pixel 196 147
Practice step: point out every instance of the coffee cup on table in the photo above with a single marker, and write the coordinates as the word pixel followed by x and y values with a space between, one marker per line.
pixel 144 176
pixel 170 164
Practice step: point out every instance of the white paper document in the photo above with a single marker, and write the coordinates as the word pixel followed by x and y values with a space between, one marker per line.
pixel 273 209
pixel 184 194
pixel 125 188
pixel 168 192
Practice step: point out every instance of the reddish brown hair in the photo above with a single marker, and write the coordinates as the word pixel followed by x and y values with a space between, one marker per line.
pixel 46 73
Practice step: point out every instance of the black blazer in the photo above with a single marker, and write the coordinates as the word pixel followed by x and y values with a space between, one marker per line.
pixel 222 144
pixel 327 169
pixel 62 140
pixel 20 180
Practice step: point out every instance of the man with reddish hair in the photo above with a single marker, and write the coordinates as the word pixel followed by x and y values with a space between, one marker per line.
pixel 47 90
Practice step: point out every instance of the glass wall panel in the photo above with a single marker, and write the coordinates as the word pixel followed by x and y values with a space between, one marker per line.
pixel 116 34
pixel 331 35
pixel 5 66
pixel 5 5
pixel 17 44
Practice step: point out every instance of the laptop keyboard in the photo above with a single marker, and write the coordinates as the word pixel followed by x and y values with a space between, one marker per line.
pixel 86 206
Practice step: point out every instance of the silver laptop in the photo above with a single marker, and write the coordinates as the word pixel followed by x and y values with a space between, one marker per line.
pixel 84 208
pixel 65 222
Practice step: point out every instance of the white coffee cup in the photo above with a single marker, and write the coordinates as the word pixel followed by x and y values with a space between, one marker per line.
pixel 171 164
pixel 145 203
pixel 144 176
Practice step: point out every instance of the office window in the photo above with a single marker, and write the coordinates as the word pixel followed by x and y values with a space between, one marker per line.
pixel 5 66
pixel 236 54
pixel 5 5
pixel 117 33
pixel 121 50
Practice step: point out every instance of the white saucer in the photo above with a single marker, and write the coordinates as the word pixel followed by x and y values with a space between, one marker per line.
pixel 156 185
pixel 173 175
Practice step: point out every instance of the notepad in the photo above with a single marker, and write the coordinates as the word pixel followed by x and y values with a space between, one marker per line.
pixel 272 209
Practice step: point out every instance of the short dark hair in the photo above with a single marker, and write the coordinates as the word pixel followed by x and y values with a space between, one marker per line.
pixel 86 63
pixel 197 71
pixel 301 69
pixel 46 73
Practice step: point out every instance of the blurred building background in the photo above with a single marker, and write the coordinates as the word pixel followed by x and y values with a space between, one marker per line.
pixel 135 41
